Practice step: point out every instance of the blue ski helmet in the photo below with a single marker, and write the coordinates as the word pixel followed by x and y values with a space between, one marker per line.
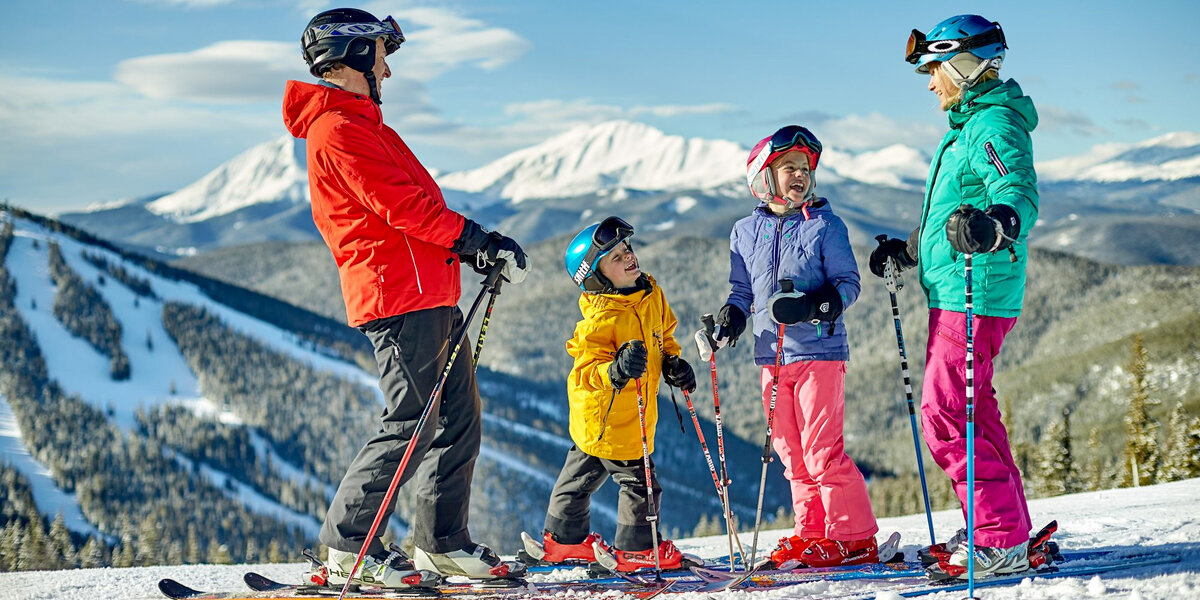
pixel 958 34
pixel 589 246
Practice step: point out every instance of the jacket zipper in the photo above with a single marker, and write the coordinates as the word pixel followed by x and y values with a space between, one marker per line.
pixel 416 271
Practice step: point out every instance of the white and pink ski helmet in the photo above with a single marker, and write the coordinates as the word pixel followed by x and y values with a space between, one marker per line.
pixel 787 139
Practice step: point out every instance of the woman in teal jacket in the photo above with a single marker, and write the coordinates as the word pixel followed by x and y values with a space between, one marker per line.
pixel 980 197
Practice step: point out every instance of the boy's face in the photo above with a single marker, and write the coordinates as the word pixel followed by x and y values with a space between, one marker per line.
pixel 620 266
pixel 792 176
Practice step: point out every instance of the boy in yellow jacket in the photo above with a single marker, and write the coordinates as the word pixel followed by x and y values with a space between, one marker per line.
pixel 627 334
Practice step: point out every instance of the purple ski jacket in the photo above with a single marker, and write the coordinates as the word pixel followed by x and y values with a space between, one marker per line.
pixel 763 249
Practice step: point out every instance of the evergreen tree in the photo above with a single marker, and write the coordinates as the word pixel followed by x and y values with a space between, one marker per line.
pixel 194 552
pixel 149 546
pixel 1094 468
pixel 1141 430
pixel 1182 460
pixel 1056 468
pixel 61 546
pixel 92 554
pixel 274 552
pixel 218 554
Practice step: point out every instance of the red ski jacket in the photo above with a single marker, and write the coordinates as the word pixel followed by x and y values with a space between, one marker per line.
pixel 379 211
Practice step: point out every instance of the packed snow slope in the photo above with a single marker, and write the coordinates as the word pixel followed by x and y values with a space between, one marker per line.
pixel 1162 517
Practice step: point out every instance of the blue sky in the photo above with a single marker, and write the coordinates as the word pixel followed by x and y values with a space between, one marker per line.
pixel 122 98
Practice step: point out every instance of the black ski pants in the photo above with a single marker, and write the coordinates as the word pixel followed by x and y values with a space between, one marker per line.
pixel 411 351
pixel 569 515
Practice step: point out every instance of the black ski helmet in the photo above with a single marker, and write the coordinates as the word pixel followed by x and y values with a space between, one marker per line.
pixel 347 36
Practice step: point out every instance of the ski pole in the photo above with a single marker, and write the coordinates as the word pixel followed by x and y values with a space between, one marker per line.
pixel 766 456
pixel 730 532
pixel 652 515
pixel 489 285
pixel 970 373
pixel 894 283
pixel 487 317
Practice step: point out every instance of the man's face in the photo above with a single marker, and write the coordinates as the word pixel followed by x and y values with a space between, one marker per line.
pixel 380 69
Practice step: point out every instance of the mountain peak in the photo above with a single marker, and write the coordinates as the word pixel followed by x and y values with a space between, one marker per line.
pixel 270 172
pixel 612 154
pixel 1168 157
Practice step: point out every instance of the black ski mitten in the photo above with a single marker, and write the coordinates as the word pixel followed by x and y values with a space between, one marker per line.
pixel 678 373
pixel 628 363
pixel 731 323
pixel 827 303
pixel 972 230
pixel 903 252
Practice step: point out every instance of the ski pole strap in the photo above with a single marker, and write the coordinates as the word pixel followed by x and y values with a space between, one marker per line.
pixel 678 414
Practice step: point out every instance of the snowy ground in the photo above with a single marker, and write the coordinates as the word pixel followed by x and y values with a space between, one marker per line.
pixel 1164 517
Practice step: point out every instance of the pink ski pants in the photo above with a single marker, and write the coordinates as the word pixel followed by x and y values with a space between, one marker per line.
pixel 1001 515
pixel 829 494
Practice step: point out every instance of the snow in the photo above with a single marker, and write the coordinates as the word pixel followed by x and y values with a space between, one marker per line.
pixel 1162 517
pixel 1168 157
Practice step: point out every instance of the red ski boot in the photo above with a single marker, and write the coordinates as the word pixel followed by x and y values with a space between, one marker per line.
pixel 788 554
pixel 831 553
pixel 669 557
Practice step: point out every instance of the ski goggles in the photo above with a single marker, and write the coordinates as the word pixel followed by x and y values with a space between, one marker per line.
pixel 791 136
pixel 609 233
pixel 918 46
pixel 387 29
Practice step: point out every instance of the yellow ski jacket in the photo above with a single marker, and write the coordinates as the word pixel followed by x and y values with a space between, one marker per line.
pixel 610 320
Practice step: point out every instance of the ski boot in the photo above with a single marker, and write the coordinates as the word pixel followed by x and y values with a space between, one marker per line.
pixel 627 561
pixel 391 569
pixel 550 551
pixel 476 561
pixel 788 552
pixel 825 552
pixel 940 552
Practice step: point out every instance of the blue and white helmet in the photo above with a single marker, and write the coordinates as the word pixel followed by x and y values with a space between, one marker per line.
pixel 589 246
pixel 970 44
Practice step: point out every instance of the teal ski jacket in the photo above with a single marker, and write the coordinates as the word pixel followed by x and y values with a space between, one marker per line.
pixel 986 158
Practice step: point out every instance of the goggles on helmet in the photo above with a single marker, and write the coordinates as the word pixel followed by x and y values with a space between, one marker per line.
pixel 608 234
pixel 387 29
pixel 794 135
pixel 919 46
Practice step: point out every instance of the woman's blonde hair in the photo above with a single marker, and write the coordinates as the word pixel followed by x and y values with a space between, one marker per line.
pixel 946 82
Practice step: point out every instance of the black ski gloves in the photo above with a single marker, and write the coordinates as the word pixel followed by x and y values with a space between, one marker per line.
pixel 903 252
pixel 731 323
pixel 678 373
pixel 628 363
pixel 790 307
pixel 482 249
pixel 972 230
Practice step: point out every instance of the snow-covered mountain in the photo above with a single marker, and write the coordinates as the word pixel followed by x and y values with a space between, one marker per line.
pixel 613 155
pixel 633 169
pixel 1169 157
pixel 271 172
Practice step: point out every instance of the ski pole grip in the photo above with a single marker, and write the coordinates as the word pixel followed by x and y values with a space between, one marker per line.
pixel 709 324
pixel 881 238
pixel 492 281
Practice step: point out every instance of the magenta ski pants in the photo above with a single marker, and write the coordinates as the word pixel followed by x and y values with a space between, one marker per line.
pixel 829 494
pixel 1001 515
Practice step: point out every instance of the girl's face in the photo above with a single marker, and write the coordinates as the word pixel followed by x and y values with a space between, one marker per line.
pixel 620 266
pixel 792 176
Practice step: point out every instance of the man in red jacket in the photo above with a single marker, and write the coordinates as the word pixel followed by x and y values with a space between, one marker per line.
pixel 398 248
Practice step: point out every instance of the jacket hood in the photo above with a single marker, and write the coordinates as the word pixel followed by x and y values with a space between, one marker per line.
pixel 304 102
pixel 994 93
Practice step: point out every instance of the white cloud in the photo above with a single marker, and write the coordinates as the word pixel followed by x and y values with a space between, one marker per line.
pixel 867 132
pixel 677 110
pixel 1057 119
pixel 188 3
pixel 255 71
pixel 229 71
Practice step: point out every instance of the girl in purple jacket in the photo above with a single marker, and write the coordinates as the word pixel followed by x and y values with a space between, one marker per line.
pixel 791 264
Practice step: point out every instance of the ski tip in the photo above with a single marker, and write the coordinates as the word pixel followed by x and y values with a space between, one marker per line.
pixel 262 583
pixel 174 589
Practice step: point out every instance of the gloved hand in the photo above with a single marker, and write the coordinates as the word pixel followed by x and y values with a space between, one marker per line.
pixel 731 323
pixel 972 230
pixel 903 252
pixel 628 363
pixel 482 249
pixel 678 373
pixel 790 307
